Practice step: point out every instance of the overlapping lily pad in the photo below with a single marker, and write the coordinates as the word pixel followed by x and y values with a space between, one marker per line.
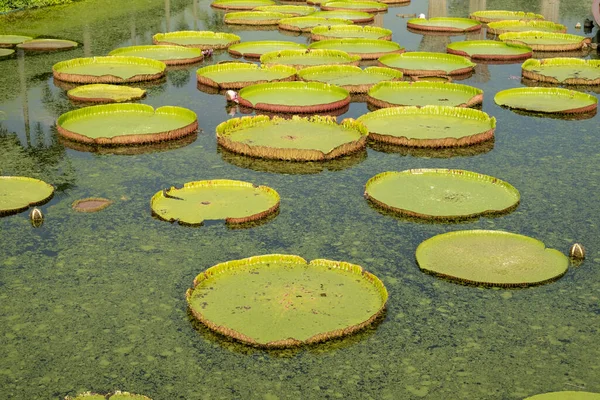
pixel 201 39
pixel 306 24
pixel 486 16
pixel 351 78
pixel 47 45
pixel 111 69
pixel 306 58
pixel 315 138
pixel 103 93
pixel 240 4
pixel 18 193
pixel 294 97
pixel 490 50
pixel 127 123
pixel 354 16
pixel 491 258
pixel 298 11
pixel 429 126
pixel 281 300
pixel 236 202
pixel 427 64
pixel 350 31
pixel 13 40
pixel 444 24
pixel 170 55
pixel 422 93
pixel 365 6
pixel 565 395
pixel 500 27
pixel 568 71
pixel 254 17
pixel 366 49
pixel 258 48
pixel 546 41
pixel 239 75
pixel 442 194
pixel 547 100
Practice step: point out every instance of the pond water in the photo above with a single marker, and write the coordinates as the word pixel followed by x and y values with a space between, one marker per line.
pixel 96 301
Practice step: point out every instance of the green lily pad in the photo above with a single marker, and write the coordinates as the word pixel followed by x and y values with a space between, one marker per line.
pixel 281 300
pixel 170 55
pixel 128 123
pixel 429 126
pixel 425 63
pixel 367 49
pixel 6 53
pixel 240 4
pixel 201 39
pixel 350 77
pixel 486 16
pixel 499 27
pixel 18 193
pixel 236 202
pixel 547 100
pixel 489 50
pixel 13 40
pixel 254 17
pixel 566 395
pixel 546 41
pixel 443 24
pixel 306 58
pixel 87 396
pixel 491 258
pixel 315 138
pixel 298 11
pixel 118 395
pixel 350 31
pixel 354 16
pixel 238 75
pixel 422 93
pixel 305 24
pixel 103 93
pixel 258 48
pixel 365 6
pixel 568 71
pixel 446 194
pixel 110 69
pixel 47 45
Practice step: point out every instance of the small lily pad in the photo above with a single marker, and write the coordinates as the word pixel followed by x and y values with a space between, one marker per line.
pixel 568 71
pixel 258 48
pixel 352 78
pixel 18 193
pixel 547 100
pixel 47 45
pixel 366 49
pixel 486 16
pixel 425 63
pixel 103 93
pixel 350 31
pixel 546 41
pixel 394 94
pixel 204 40
pixel 110 69
pixel 490 50
pixel 443 24
pixel 13 40
pixel 91 204
pixel 170 55
pixel 238 75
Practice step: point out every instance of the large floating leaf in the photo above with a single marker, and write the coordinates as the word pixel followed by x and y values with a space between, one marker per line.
pixel 503 15
pixel 547 100
pixel 201 39
pixel 422 93
pixel 492 258
pixel 500 27
pixel 254 17
pixel 6 52
pixel 546 41
pixel 570 71
pixel 350 31
pixel 367 49
pixel 47 45
pixel 443 24
pixel 111 69
pixel 17 193
pixel 280 300
pixel 306 58
pixel 305 24
pixel 12 40
pixel 566 395
pixel 365 6
pixel 490 50
pixel 170 55
pixel 103 93
pixel 238 75
pixel 240 4
pixel 258 48
pixel 298 11
pixel 350 77
pixel 354 16
pixel 425 63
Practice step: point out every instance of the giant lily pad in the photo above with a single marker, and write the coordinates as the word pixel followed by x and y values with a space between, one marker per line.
pixel 4 53
pixel 18 193
pixel 240 4
pixel 492 258
pixel 350 77
pixel 280 300
pixel 546 41
pixel 354 16
pixel 441 193
pixel 367 49
pixel 489 50
pixel 103 93
pixel 565 395
pixel 568 71
pixel 306 58
pixel 128 123
pixel 298 11
pixel 365 6
pixel 429 126
pixel 170 55
pixel 425 63
pixel 201 39
pixel 486 16
pixel 236 202
pixel 258 48
pixel 111 69
pixel 350 31
pixel 306 24
pixel 12 40
pixel 238 75
pixel 422 93
pixel 294 97
pixel 499 27
pixel 315 138
pixel 254 17
pixel 547 100
pixel 47 45
pixel 443 24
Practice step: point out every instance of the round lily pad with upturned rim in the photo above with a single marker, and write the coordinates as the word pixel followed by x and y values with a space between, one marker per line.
pixel 294 97
pixel 315 138
pixel 422 93
pixel 254 17
pixel 489 50
pixel 365 6
pixel 366 49
pixel 13 40
pixel 443 24
pixel 491 258
pixel 499 27
pixel 279 300
pixel 104 93
pixel 170 55
pixel 350 31
pixel 298 11
pixel 91 204
pixel 258 48
pixel 547 100
pixel 126 123
pixel 565 395
pixel 236 202
pixel 238 75
pixel 305 24
pixel 307 58
pixel 486 16
pixel 201 39
pixel 350 77
pixel 425 63
pixel 110 69
pixel 429 126
pixel 442 194
pixel 546 41
pixel 240 4
pixel 18 193
pixel 568 71
pixel 358 17
pixel 6 52
pixel 47 45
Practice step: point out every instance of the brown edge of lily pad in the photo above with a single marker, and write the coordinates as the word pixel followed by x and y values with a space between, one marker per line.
pixel 82 78
pixel 4 213
pixel 198 46
pixel 102 99
pixel 91 204
pixel 552 47
pixel 472 102
pixel 534 76
pixel 434 143
pixel 320 337
pixel 374 56
pixel 491 57
pixel 424 72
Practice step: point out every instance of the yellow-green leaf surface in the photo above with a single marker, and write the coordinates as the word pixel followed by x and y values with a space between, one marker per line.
pixel 6 52
pixel 244 72
pixel 47 44
pixel 566 395
pixel 120 66
pixel 304 58
pixel 12 40
pixel 362 47
pixel 19 192
pixel 159 52
pixel 503 15
pixel 356 16
pixel 368 6
pixel 425 61
pixel 241 4
pixel 489 49
pixel 443 23
pixel 542 38
pixel 261 47
pixel 293 93
pixel 343 75
pixel 563 68
pixel 306 23
pixel 107 93
pixel 288 9
pixel 425 93
pixel 548 100
pixel 254 17
pixel 200 39
pixel 499 27
pixel 351 31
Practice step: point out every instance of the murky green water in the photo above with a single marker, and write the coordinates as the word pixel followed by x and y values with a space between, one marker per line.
pixel 96 301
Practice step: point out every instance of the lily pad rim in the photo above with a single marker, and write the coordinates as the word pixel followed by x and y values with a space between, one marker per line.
pixel 11 211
